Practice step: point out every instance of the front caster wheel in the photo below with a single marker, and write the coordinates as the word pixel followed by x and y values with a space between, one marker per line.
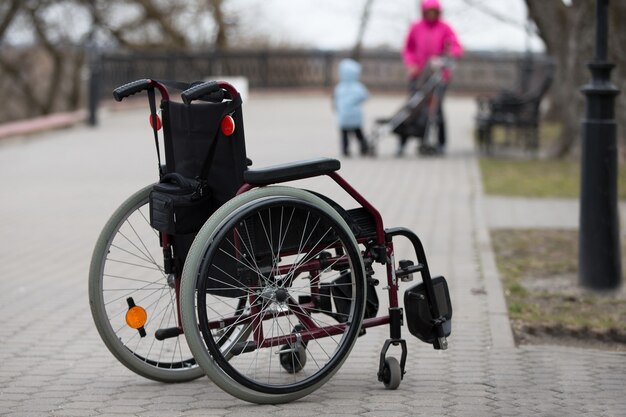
pixel 392 373
pixel 293 358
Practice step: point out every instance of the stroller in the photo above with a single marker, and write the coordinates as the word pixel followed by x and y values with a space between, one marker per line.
pixel 419 116
pixel 216 270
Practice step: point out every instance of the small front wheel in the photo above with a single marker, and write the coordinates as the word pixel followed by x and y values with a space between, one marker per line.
pixel 293 357
pixel 392 373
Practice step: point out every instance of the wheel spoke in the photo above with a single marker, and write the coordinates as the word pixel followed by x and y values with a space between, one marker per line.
pixel 269 263
pixel 128 266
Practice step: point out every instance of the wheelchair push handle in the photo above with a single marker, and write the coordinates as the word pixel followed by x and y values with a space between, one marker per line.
pixel 138 86
pixel 198 91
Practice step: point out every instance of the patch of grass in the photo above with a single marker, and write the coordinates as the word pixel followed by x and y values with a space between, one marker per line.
pixel 536 252
pixel 538 269
pixel 537 178
pixel 516 289
pixel 515 308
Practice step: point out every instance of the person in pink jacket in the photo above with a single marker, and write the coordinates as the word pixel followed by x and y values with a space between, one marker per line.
pixel 428 39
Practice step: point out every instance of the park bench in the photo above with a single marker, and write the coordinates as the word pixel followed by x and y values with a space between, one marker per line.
pixel 516 110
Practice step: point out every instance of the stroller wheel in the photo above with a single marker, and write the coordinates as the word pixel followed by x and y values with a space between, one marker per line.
pixel 426 150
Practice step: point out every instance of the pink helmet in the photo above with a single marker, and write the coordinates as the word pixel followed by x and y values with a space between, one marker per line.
pixel 431 4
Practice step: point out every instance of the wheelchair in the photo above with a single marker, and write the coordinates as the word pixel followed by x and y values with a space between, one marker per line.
pixel 263 287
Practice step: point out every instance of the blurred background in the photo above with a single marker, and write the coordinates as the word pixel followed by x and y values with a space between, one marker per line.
pixel 51 49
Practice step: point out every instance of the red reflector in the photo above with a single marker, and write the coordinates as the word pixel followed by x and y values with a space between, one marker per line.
pixel 228 125
pixel 158 119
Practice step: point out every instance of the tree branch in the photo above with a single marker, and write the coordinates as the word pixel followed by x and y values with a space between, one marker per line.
pixel 55 55
pixel 153 13
pixel 26 88
pixel 8 17
pixel 217 11
pixel 494 14
pixel 551 18
pixel 365 18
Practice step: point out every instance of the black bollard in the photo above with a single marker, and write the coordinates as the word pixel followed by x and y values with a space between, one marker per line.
pixel 600 266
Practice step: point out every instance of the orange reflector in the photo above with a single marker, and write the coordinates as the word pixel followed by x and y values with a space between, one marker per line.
pixel 228 125
pixel 158 119
pixel 136 317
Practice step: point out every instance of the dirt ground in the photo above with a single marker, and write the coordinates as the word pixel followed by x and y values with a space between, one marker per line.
pixel 613 339
pixel 546 303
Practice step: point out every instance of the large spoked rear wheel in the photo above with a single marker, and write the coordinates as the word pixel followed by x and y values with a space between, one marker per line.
pixel 126 270
pixel 294 259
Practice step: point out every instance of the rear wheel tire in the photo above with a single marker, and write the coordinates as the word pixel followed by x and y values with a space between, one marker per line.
pixel 127 262
pixel 278 293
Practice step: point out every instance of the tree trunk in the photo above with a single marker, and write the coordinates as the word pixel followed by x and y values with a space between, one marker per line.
pixel 569 35
pixel 365 18
pixel 153 12
pixel 45 76
pixel 6 17
pixel 221 35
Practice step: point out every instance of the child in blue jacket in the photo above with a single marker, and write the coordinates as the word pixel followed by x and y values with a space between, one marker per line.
pixel 349 96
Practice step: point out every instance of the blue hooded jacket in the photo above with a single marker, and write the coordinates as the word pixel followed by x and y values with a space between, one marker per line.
pixel 349 95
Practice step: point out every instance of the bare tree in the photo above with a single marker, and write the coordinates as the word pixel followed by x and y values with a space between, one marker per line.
pixel 222 24
pixel 568 32
pixel 9 11
pixel 139 24
pixel 38 74
pixel 365 18
pixel 44 73
pixel 166 25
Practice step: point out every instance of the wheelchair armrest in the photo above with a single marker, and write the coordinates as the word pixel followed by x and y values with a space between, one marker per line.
pixel 291 171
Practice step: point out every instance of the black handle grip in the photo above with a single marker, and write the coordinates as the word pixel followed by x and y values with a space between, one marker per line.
pixel 129 89
pixel 199 91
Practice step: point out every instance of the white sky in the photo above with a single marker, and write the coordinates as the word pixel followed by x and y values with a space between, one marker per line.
pixel 333 24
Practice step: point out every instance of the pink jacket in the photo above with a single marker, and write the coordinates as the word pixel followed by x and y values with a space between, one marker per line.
pixel 428 39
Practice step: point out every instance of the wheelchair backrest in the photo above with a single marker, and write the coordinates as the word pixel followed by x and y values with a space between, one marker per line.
pixel 189 131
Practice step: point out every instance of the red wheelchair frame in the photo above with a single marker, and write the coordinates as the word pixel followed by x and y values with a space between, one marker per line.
pixel 429 318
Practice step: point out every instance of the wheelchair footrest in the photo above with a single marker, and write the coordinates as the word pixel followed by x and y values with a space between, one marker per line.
pixel 419 313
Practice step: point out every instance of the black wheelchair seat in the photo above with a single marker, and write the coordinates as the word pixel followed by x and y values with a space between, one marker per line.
pixel 291 171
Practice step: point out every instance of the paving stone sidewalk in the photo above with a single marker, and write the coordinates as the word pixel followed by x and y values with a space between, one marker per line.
pixel 59 188
pixel 525 213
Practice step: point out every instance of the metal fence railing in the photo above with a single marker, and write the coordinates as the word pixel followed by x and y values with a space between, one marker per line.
pixel 477 72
